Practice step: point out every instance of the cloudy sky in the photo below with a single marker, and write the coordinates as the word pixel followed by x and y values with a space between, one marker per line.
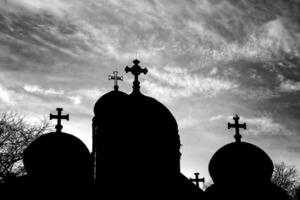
pixel 207 60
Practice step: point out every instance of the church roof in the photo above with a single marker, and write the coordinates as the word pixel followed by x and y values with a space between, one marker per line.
pixel 56 153
pixel 139 113
pixel 136 129
pixel 109 101
pixel 58 156
pixel 153 118
pixel 240 162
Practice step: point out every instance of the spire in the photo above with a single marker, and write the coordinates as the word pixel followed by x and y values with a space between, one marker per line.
pixel 116 78
pixel 59 117
pixel 136 70
pixel 237 127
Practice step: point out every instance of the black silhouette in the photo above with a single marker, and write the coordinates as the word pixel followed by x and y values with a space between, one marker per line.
pixel 237 127
pixel 116 78
pixel 136 70
pixel 58 163
pixel 136 155
pixel 136 140
pixel 59 117
pixel 241 170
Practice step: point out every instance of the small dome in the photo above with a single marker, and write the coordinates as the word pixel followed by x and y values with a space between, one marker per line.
pixel 108 101
pixel 240 162
pixel 59 156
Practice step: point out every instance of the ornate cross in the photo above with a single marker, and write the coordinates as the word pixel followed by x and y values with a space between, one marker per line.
pixel 59 117
pixel 116 78
pixel 197 180
pixel 136 70
pixel 237 127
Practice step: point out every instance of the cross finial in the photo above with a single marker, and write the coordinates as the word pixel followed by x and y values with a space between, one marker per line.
pixel 197 180
pixel 116 78
pixel 237 127
pixel 59 117
pixel 136 70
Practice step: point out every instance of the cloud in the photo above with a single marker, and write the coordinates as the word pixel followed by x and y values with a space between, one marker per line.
pixel 8 96
pixel 256 93
pixel 170 83
pixel 35 89
pixel 216 117
pixel 281 36
pixel 76 96
pixel 76 100
pixel 56 7
pixel 289 86
pixel 187 122
pixel 263 43
pixel 91 94
pixel 266 125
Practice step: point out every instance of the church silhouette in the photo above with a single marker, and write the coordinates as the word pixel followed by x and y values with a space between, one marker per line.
pixel 136 154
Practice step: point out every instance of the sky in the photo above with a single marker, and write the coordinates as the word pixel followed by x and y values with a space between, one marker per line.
pixel 207 59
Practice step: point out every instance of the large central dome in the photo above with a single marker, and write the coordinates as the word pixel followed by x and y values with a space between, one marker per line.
pixel 137 130
pixel 136 139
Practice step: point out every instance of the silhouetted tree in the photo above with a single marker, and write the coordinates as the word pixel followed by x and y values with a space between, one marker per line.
pixel 286 177
pixel 15 135
pixel 297 193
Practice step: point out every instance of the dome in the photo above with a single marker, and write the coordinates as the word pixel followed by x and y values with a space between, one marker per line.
pixel 152 117
pixel 153 131
pixel 58 156
pixel 240 163
pixel 131 123
pixel 136 132
pixel 108 101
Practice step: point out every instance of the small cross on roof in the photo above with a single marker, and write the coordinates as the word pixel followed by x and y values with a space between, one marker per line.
pixel 237 127
pixel 116 78
pixel 136 70
pixel 59 117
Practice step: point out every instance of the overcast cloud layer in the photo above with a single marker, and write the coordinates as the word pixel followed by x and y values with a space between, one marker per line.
pixel 207 61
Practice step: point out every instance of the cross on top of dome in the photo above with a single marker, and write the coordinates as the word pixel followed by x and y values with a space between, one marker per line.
pixel 116 78
pixel 136 70
pixel 59 117
pixel 237 127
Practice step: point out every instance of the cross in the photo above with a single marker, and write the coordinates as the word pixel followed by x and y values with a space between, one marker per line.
pixel 116 78
pixel 136 70
pixel 197 180
pixel 59 117
pixel 237 127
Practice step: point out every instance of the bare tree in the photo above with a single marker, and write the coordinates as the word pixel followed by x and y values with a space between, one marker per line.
pixel 286 177
pixel 15 135
pixel 297 193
